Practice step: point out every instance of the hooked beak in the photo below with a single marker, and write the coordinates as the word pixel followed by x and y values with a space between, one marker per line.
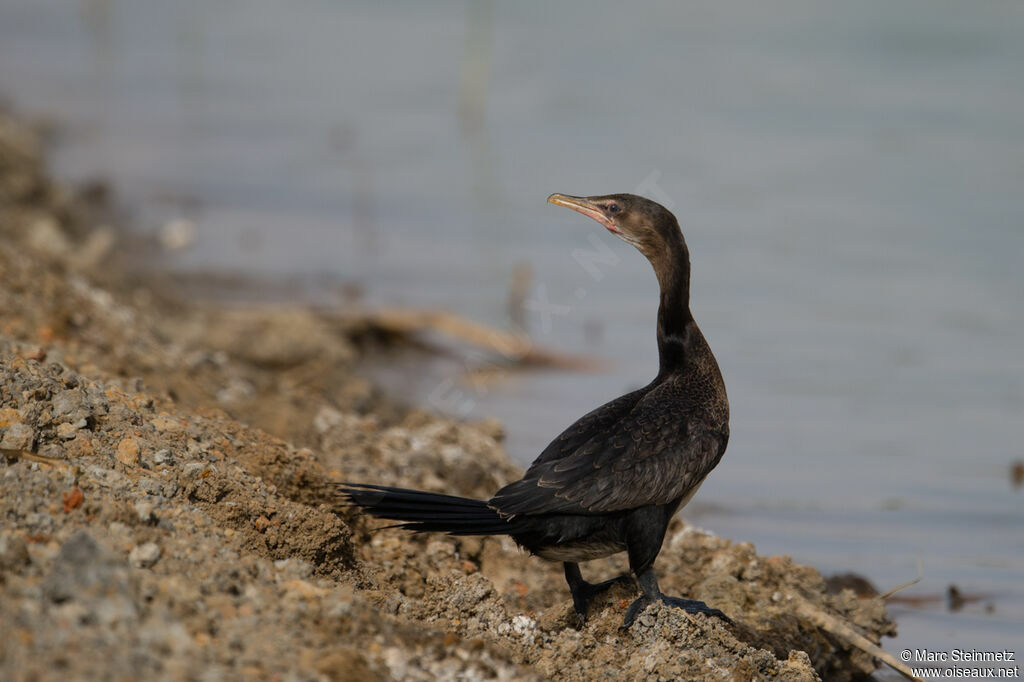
pixel 586 207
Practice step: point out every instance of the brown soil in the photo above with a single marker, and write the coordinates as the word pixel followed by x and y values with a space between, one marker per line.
pixel 168 507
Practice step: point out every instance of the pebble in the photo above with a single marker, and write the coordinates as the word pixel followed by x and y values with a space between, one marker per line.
pixel 326 419
pixel 144 555
pixel 237 390
pixel 525 627
pixel 66 402
pixel 107 478
pixel 166 424
pixel 40 523
pixel 66 431
pixel 163 456
pixel 8 416
pixel 13 552
pixel 18 437
pixel 128 451
pixel 295 590
pixel 46 236
pixel 151 486
pixel 144 510
pixel 193 469
pixel 294 568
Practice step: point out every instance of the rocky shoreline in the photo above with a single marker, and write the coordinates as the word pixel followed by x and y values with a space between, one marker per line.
pixel 168 507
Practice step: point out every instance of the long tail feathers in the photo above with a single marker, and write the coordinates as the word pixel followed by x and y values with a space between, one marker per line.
pixel 421 511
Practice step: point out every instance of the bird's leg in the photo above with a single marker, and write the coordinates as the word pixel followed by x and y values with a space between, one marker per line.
pixel 649 584
pixel 583 592
pixel 646 531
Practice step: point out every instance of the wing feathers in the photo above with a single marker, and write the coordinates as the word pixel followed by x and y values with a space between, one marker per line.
pixel 629 453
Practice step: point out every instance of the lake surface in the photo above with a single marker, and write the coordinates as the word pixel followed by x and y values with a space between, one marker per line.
pixel 850 180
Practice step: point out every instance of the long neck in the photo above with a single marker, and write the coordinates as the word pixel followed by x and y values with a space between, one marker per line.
pixel 675 323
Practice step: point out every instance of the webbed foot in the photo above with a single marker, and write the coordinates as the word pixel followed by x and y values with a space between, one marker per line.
pixel 688 605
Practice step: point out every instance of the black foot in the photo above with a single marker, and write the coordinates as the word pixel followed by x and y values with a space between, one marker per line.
pixel 688 605
pixel 585 592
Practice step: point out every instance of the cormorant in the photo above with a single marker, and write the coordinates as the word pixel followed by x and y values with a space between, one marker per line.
pixel 612 481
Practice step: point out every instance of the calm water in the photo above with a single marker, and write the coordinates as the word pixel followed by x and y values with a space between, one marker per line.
pixel 849 180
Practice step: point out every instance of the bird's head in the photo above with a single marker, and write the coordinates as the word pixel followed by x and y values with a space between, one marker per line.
pixel 645 224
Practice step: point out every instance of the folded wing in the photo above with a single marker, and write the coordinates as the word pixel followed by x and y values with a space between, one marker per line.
pixel 650 448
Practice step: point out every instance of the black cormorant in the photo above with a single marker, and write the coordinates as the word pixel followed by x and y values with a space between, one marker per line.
pixel 612 481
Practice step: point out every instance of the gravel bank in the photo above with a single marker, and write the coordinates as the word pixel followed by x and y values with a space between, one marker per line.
pixel 167 506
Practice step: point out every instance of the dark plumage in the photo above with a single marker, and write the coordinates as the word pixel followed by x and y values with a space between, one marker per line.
pixel 612 481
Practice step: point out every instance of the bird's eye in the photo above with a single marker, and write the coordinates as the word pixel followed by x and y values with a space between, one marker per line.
pixel 613 208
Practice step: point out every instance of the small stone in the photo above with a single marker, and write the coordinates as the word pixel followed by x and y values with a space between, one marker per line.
pixel 13 552
pixel 393 603
pixel 128 451
pixel 66 431
pixel 237 390
pixel 18 437
pixel 647 620
pixel 144 555
pixel 193 469
pixel 163 456
pixel 47 237
pixel 293 569
pixel 51 450
pixel 80 446
pixel 106 478
pixel 301 589
pixel 66 402
pixel 326 419
pixel 167 424
pixel 144 510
